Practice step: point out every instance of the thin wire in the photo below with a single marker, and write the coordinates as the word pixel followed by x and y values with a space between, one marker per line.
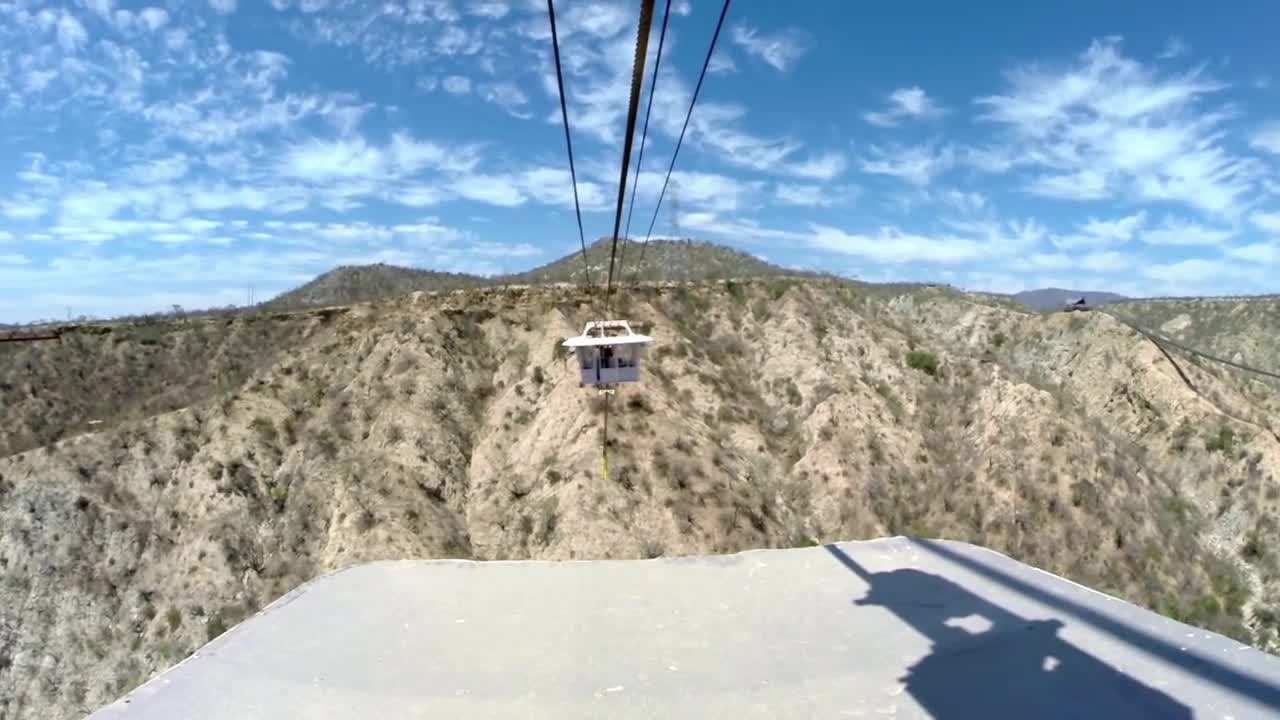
pixel 644 134
pixel 697 89
pixel 1158 338
pixel 633 109
pixel 564 114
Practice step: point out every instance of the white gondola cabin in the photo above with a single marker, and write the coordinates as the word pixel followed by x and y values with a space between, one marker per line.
pixel 609 353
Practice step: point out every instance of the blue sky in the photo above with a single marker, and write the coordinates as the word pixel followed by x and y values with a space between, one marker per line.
pixel 155 154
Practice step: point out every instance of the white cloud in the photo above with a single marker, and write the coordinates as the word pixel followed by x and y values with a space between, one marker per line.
pixel 823 167
pixel 780 49
pixel 176 39
pixel 603 20
pixel 488 8
pixel 696 190
pixel 322 160
pixel 968 203
pixel 22 209
pixel 918 165
pixel 892 246
pixel 803 195
pixel 418 196
pixel 1084 184
pixel 1267 138
pixel 1262 253
pixel 1098 233
pixel 71 34
pixel 457 85
pixel 508 96
pixel 1268 221
pixel 491 189
pixel 310 6
pixel 1179 231
pixel 911 102
pixel 154 18
pixel 101 8
pixel 1107 126
pixel 1174 47
pixel 223 7
pixel 1202 276
pixel 721 63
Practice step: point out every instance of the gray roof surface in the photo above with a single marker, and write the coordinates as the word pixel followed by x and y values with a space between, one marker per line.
pixel 897 627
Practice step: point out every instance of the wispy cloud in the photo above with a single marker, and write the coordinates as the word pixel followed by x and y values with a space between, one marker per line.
pixel 910 102
pixel 804 195
pixel 223 7
pixel 1181 231
pixel 1267 139
pixel 1267 221
pixel 457 84
pixel 1174 47
pixel 779 49
pixel 1107 126
pixel 917 165
pixel 1100 233
pixel 509 97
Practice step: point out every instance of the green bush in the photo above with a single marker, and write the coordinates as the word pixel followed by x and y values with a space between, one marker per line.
pixel 214 627
pixel 924 361
pixel 1221 442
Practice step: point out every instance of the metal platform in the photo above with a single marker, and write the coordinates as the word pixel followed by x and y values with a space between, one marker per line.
pixel 888 628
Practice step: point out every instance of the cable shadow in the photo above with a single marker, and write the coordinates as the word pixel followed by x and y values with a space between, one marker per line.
pixel 1206 668
pixel 987 662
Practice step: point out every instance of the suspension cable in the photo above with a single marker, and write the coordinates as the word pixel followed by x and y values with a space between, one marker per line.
pixel 637 79
pixel 693 101
pixel 1157 338
pixel 644 135
pixel 633 108
pixel 564 114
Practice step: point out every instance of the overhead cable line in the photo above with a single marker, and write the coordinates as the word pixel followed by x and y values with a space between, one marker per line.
pixel 644 134
pixel 693 101
pixel 568 141
pixel 633 107
pixel 1162 339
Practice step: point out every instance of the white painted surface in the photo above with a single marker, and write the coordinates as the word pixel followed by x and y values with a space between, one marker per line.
pixel 887 628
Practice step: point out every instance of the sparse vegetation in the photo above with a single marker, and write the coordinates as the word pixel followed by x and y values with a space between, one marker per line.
pixel 923 361
pixel 402 429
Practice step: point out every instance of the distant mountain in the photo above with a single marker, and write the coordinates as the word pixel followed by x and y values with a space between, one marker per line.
pixel 1052 298
pixel 366 283
pixel 663 260
pixel 660 260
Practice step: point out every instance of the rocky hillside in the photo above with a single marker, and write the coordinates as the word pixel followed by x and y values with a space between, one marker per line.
pixel 1243 330
pixel 366 283
pixel 772 413
pixel 658 261
pixel 102 375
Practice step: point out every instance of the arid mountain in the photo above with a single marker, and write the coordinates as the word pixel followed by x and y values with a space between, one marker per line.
pixel 771 413
pixel 366 283
pixel 1244 330
pixel 660 261
pixel 1054 298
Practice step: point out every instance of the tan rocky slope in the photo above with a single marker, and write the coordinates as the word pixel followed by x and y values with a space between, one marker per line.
pixel 771 414
pixel 1244 330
